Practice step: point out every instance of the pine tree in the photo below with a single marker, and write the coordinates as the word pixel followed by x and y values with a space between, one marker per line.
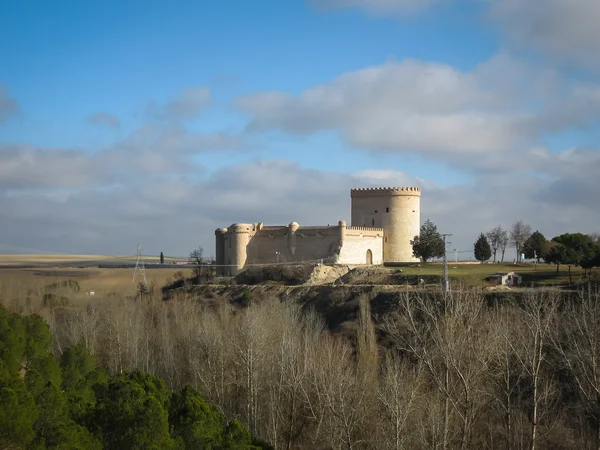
pixel 162 258
pixel 482 249
pixel 429 244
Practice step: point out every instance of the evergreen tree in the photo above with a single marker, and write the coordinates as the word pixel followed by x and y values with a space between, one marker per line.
pixel 162 258
pixel 536 246
pixel 429 244
pixel 482 249
pixel 44 404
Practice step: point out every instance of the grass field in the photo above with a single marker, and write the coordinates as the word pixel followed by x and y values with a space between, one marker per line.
pixel 474 274
pixel 19 282
pixel 101 281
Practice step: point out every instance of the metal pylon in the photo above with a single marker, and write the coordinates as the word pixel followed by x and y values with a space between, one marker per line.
pixel 139 273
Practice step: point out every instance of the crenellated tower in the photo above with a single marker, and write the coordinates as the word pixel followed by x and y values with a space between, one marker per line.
pixel 395 209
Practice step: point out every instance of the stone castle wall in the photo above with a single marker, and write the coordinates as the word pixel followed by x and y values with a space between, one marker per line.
pixel 241 245
pixel 358 242
pixel 384 221
pixel 397 211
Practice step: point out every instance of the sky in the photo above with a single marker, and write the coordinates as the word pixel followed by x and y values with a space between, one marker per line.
pixel 157 122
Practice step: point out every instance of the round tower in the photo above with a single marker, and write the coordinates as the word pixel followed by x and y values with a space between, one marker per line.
pixel 395 209
pixel 240 237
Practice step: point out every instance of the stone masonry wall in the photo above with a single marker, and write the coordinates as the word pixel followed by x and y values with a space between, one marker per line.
pixel 358 241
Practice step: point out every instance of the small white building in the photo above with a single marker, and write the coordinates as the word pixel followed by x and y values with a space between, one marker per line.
pixel 508 278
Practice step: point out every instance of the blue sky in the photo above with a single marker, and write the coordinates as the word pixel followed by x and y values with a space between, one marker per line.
pixel 101 103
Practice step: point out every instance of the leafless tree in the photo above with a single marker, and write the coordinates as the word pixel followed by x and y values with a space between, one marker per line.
pixel 401 386
pixel 506 371
pixel 531 349
pixel 340 401
pixel 519 233
pixel 578 343
pixel 495 237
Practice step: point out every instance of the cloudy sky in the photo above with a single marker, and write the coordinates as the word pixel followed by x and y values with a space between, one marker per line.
pixel 157 122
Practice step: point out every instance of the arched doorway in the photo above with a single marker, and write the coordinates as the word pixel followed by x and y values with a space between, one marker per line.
pixel 369 257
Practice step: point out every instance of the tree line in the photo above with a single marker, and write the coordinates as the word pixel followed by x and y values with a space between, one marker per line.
pixel 570 249
pixel 434 372
pixel 71 402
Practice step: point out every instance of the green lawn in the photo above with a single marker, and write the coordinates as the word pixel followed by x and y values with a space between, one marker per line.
pixel 474 274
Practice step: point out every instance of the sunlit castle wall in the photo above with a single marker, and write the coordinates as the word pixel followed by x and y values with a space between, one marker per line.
pixel 395 209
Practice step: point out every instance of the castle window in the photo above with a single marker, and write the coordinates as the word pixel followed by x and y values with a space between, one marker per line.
pixel 375 210
pixel 387 209
pixel 373 222
pixel 386 239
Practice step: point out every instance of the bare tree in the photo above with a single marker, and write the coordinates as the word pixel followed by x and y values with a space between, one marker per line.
pixel 505 370
pixel 503 243
pixel 519 233
pixel 578 343
pixel 340 401
pixel 531 349
pixel 400 387
pixel 451 340
pixel 494 237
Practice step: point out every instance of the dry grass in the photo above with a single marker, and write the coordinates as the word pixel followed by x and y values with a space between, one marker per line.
pixel 13 282
pixel 29 259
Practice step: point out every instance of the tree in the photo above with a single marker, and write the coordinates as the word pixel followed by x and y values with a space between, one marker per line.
pixel 482 249
pixel 519 233
pixel 130 413
pixel 162 258
pixel 503 242
pixel 203 272
pixel 194 421
pixel 579 249
pixel 578 344
pixel 494 237
pixel 536 246
pixel 429 244
pixel 556 255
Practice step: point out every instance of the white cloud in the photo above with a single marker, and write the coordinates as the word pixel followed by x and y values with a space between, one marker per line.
pixel 434 110
pixel 565 29
pixel 180 214
pixel 187 104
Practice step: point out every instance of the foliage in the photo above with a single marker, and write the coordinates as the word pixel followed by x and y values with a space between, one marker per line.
pixel 162 258
pixel 482 249
pixel 573 249
pixel 75 405
pixel 536 246
pixel 429 244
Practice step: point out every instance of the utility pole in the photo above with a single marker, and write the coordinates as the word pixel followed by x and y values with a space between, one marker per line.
pixel 445 281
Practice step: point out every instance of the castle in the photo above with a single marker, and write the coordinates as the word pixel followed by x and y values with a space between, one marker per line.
pixel 384 221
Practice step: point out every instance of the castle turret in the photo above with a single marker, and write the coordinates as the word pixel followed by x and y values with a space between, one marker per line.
pixel 342 226
pixel 220 251
pixel 397 210
pixel 239 234
pixel 291 235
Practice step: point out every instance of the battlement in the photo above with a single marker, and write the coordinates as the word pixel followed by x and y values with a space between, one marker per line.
pixel 364 229
pixel 385 191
